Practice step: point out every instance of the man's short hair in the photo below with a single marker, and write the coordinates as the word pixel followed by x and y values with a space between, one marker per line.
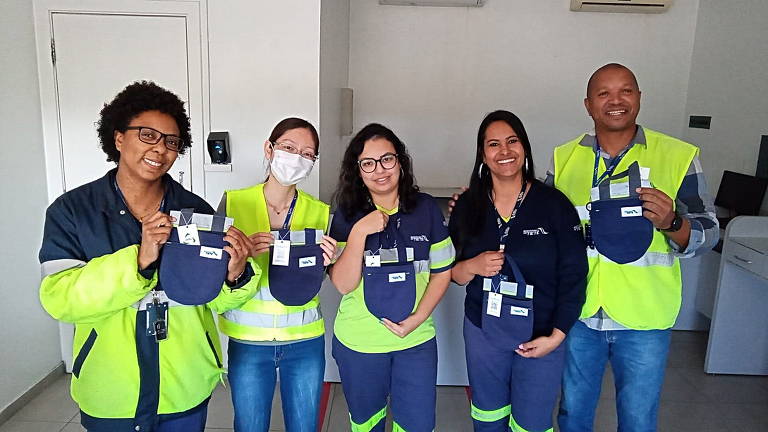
pixel 607 67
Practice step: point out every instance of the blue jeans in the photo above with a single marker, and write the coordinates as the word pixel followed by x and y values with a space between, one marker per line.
pixel 638 359
pixel 253 374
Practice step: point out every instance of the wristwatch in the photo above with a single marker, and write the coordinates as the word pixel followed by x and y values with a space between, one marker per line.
pixel 676 224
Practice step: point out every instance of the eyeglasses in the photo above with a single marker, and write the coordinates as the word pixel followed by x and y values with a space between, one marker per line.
pixel 290 148
pixel 153 136
pixel 387 161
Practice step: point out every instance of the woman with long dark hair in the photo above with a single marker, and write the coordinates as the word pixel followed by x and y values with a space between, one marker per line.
pixel 521 254
pixel 393 268
pixel 281 327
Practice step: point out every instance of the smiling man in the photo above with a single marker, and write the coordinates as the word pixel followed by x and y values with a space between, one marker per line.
pixel 630 307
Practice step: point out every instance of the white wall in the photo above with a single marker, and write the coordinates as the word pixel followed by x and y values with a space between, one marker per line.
pixel 29 338
pixel 264 66
pixel 433 73
pixel 334 75
pixel 729 81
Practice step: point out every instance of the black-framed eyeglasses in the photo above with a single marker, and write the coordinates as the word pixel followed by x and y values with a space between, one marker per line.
pixel 387 161
pixel 153 136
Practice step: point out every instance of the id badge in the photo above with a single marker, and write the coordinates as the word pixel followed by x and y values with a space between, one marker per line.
pixel 494 304
pixel 157 320
pixel 281 253
pixel 588 235
pixel 373 260
pixel 188 234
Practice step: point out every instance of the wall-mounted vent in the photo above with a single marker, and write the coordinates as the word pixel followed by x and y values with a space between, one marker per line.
pixel 634 6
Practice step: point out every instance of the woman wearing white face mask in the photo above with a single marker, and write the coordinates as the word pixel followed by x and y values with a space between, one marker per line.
pixel 281 327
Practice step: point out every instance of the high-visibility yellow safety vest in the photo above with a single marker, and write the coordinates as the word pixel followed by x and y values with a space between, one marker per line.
pixel 263 318
pixel 644 294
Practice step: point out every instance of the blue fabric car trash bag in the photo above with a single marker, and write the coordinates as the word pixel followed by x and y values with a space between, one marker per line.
pixel 515 323
pixel 194 274
pixel 619 230
pixel 300 281
pixel 390 290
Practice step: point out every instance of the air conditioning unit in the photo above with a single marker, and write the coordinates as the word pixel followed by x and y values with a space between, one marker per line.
pixel 454 3
pixel 635 6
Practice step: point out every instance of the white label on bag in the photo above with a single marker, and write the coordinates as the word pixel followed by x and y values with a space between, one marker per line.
pixel 373 260
pixel 307 262
pixel 645 173
pixel 209 252
pixel 281 252
pixel 188 234
pixel 519 311
pixel 634 211
pixel 594 194
pixel 494 304
pixel 397 277
pixel 529 291
pixel 619 190
pixel 508 288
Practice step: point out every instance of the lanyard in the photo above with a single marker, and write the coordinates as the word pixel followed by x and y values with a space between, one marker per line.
pixel 501 224
pixel 287 222
pixel 610 169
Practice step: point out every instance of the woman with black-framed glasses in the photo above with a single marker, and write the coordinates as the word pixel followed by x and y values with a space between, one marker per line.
pixel 281 328
pixel 143 361
pixel 393 267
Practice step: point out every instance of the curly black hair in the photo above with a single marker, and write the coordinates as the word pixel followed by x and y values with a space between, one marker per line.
pixel 139 97
pixel 351 194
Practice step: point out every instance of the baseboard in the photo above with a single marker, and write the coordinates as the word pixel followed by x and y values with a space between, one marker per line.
pixel 12 408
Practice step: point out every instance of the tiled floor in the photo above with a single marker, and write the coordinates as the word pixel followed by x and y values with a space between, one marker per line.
pixel 691 401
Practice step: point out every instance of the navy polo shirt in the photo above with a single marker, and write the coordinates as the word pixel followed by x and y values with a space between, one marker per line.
pixel 546 242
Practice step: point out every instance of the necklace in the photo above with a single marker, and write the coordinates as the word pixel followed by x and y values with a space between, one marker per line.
pixel 153 210
pixel 275 208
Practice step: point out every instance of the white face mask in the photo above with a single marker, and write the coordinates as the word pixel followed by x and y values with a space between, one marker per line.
pixel 289 168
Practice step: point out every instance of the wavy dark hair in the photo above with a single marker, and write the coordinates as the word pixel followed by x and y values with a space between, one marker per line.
pixel 139 97
pixel 351 194
pixel 471 220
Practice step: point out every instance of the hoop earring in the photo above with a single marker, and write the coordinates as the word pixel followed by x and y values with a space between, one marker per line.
pixel 480 170
pixel 526 165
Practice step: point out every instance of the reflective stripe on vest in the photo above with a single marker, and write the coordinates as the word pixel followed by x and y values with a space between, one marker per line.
pixel 263 317
pixel 644 294
pixel 253 319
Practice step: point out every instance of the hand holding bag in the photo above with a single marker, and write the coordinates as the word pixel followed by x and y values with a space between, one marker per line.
pixel 193 274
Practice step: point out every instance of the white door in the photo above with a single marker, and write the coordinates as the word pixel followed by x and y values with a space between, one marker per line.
pixel 96 56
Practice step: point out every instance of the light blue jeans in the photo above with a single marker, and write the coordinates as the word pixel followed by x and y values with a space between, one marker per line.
pixel 253 374
pixel 638 359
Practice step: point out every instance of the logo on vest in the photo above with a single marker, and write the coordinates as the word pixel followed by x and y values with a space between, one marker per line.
pixel 419 238
pixel 307 262
pixel 535 232
pixel 397 277
pixel 209 252
pixel 632 211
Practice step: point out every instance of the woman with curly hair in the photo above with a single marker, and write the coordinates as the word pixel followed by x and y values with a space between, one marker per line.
pixel 143 362
pixel 393 268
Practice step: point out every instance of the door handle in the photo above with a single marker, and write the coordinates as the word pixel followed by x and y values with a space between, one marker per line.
pixel 745 261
